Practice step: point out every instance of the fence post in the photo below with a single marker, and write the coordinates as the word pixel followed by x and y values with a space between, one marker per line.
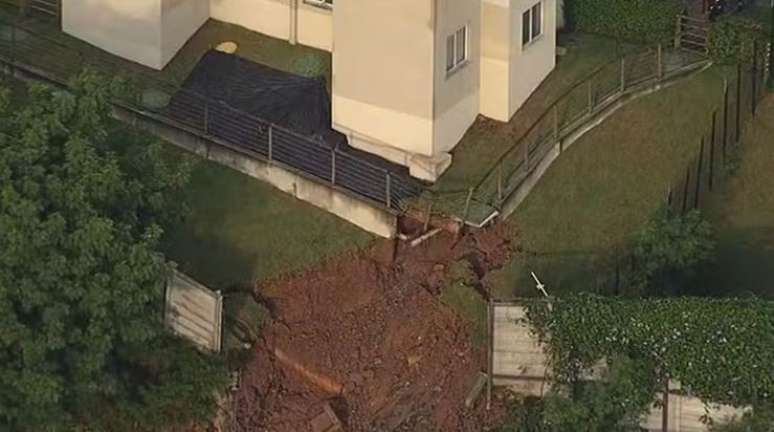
pixel 206 116
pixel 526 155
pixel 333 167
pixel 388 188
pixel 556 122
pixel 13 48
pixel 678 31
pixel 467 205
pixel 725 118
pixel 623 74
pixel 271 141
pixel 591 95
pixel 738 131
pixel 499 183
pixel 685 188
pixel 660 61
pixel 699 169
pixel 712 150
pixel 754 74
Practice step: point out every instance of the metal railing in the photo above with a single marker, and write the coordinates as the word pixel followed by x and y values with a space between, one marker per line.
pixel 609 83
pixel 311 156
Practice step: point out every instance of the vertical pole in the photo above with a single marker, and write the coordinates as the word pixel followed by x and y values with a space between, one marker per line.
pixel 660 62
pixel 500 183
pixel 489 352
pixel 467 205
pixel 388 188
pixel 699 169
pixel 333 166
pixel 271 141
pixel 556 122
pixel 685 189
pixel 754 74
pixel 712 151
pixel 13 48
pixel 206 116
pixel 738 103
pixel 665 408
pixel 725 118
pixel 678 31
pixel 623 74
pixel 526 155
pixel 591 96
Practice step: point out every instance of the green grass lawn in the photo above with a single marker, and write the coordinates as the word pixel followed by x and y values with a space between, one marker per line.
pixel 488 139
pixel 742 212
pixel 257 47
pixel 240 230
pixel 602 190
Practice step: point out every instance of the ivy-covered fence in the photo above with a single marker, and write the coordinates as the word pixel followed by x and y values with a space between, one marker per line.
pixel 646 21
pixel 721 350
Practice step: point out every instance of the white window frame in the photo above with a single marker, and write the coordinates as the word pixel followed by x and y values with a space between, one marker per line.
pixel 533 38
pixel 457 65
pixel 325 4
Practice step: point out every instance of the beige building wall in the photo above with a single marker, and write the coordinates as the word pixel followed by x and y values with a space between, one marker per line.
pixel 315 26
pixel 149 32
pixel 383 77
pixel 180 19
pixel 456 104
pixel 511 71
pixel 271 17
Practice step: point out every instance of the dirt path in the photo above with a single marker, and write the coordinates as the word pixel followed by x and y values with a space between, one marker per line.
pixel 368 334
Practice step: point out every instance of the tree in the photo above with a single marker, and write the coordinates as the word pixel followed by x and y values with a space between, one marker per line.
pixel 83 203
pixel 671 245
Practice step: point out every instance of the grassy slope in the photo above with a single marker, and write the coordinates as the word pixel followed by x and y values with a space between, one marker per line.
pixel 241 230
pixel 742 211
pixel 608 184
pixel 487 139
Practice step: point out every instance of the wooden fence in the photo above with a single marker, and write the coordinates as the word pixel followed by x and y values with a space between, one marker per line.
pixel 194 312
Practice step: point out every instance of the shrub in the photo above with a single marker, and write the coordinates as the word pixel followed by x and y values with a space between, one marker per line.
pixel 733 40
pixel 644 21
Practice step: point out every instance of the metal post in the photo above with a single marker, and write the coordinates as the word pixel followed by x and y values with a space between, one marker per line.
pixel 500 183
pixel 660 61
pixel 623 74
pixel 271 141
pixel 699 168
pixel 388 188
pixel 712 150
pixel 738 103
pixel 725 118
pixel 333 167
pixel 556 122
pixel 678 31
pixel 591 96
pixel 685 188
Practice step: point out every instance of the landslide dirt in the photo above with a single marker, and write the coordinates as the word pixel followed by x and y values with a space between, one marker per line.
pixel 367 333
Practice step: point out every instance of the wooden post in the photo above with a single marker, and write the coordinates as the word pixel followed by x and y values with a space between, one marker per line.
pixel 725 118
pixel 712 150
pixel 665 408
pixel 556 122
pixel 699 168
pixel 500 183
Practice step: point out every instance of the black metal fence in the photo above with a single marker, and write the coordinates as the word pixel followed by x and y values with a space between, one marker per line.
pixel 24 49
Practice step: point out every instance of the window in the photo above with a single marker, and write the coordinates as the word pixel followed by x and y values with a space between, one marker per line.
pixel 532 24
pixel 457 49
pixel 328 4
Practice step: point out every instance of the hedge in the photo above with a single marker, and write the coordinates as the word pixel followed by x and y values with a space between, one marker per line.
pixel 722 350
pixel 732 40
pixel 642 21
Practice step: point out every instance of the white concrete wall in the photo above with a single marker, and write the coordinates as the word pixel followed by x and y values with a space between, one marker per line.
pixel 315 26
pixel 180 19
pixel 271 17
pixel 457 98
pixel 510 71
pixel 129 29
pixel 383 73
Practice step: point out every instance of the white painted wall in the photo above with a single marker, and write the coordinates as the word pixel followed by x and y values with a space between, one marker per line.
pixel 532 63
pixel 271 17
pixel 149 32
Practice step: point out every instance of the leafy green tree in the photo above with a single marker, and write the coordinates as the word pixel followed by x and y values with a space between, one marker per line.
pixel 671 245
pixel 82 206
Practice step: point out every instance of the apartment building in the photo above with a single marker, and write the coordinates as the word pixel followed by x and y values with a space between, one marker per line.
pixel 409 76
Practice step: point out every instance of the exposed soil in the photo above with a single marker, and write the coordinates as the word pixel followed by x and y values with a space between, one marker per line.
pixel 368 334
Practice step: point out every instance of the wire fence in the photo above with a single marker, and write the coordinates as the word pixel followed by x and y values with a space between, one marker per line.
pixel 24 49
pixel 614 272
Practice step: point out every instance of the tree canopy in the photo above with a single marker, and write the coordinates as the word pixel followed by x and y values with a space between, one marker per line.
pixel 83 204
